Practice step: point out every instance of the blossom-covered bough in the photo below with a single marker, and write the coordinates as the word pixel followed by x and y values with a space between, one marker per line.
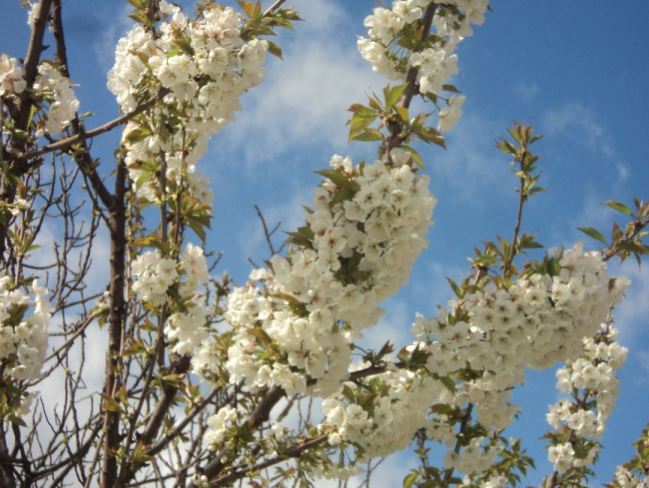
pixel 202 377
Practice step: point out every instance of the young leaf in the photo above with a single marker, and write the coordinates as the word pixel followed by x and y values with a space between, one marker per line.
pixel 274 49
pixel 619 206
pixel 368 135
pixel 594 233
pixel 392 95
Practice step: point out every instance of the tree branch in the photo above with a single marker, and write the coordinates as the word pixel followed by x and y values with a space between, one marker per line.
pixel 294 452
pixel 411 79
pixel 17 166
pixel 82 154
pixel 116 320
pixel 83 135
pixel 32 58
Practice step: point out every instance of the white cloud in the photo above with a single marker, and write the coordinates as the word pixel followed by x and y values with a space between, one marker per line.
pixel 386 473
pixel 393 326
pixel 471 166
pixel 304 98
pixel 319 15
pixel 632 315
pixel 391 471
pixel 104 46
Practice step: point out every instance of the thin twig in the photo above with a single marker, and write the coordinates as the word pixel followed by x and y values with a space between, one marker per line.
pixel 294 452
pixel 81 136
pixel 268 233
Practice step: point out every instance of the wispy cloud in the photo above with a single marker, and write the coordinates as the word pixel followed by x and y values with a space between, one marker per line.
pixel 527 91
pixel 106 40
pixel 582 125
pixel 471 167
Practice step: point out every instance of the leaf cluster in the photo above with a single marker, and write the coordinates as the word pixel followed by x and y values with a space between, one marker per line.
pixel 389 121
pixel 630 240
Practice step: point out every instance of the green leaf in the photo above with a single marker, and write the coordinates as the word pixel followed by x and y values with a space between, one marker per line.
pixel 456 289
pixel 431 484
pixel 251 9
pixel 147 241
pixel 362 111
pixel 274 49
pixel 619 206
pixel 448 382
pixel 553 267
pixel 303 237
pixel 375 104
pixel 409 480
pixel 506 146
pixel 403 113
pixel 259 334
pixel 416 157
pixel 594 233
pixel 137 135
pixel 340 179
pixel 392 95
pixel 368 135
pixel 450 88
pixel 185 44
pixel 174 52
pixel 342 195
pixel 430 135
pixel 527 241
pixel 198 228
pixel 359 123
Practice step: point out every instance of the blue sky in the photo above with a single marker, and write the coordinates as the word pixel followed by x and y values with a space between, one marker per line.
pixel 577 71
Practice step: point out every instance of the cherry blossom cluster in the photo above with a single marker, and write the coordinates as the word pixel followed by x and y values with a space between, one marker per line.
pixel 56 90
pixel 495 481
pixel 436 63
pixel 219 424
pixel 536 322
pixel 24 319
pixel 295 321
pixel 591 382
pixel 390 419
pixel 200 68
pixel 483 346
pixel 153 278
pixel 627 479
pixel 11 76
pixel 475 457
pixel 51 88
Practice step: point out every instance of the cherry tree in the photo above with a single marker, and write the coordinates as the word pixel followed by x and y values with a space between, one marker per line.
pixel 208 382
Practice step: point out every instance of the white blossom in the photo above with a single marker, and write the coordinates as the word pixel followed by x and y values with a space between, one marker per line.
pixel 24 320
pixel 57 89
pixel 11 76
